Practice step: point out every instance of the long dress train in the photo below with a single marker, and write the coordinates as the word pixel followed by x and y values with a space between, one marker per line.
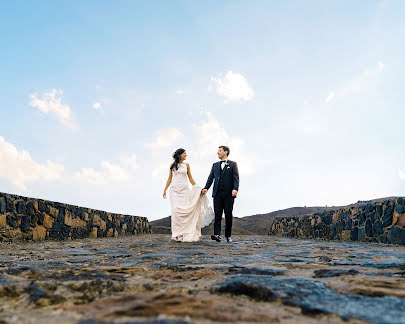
pixel 190 210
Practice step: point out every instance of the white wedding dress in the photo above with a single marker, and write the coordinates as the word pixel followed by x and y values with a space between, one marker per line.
pixel 190 210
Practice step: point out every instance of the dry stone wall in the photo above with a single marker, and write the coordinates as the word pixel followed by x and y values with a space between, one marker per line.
pixel 382 222
pixel 23 218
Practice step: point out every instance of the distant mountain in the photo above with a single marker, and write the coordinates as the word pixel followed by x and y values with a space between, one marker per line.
pixel 259 224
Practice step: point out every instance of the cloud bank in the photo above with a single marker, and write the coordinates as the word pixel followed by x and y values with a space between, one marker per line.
pixel 19 168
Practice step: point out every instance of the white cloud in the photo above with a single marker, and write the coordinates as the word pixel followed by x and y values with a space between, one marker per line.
pixel 234 87
pixel 19 168
pixel 97 106
pixel 51 102
pixel 381 66
pixel 166 137
pixel 90 175
pixel 162 146
pixel 330 97
pixel 211 134
pixel 114 172
pixel 203 144
pixel 109 173
pixel 401 174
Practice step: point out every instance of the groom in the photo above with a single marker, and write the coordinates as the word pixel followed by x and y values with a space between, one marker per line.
pixel 226 186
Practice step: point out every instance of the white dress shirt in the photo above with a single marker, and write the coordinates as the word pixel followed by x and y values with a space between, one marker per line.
pixel 223 163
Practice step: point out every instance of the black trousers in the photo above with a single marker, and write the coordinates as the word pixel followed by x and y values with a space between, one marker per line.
pixel 223 204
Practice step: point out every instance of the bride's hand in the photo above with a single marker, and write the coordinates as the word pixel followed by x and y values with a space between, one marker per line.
pixel 164 194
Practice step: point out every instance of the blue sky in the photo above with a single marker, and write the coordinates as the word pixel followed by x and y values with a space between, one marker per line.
pixel 96 95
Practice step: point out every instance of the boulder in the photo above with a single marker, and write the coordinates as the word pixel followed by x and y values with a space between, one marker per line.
pixel 39 233
pixel 401 220
pixel 354 234
pixel 2 206
pixel 53 212
pixel 346 234
pixel 99 222
pixel 397 235
pixel 93 232
pixel 378 228
pixel 360 234
pixel 21 207
pixel 13 220
pixel 362 219
pixel 369 228
pixel 25 223
pixel 387 220
pixel 48 221
pixel 348 224
pixel 3 220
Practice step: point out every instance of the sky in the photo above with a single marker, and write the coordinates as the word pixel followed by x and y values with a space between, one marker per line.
pixel 95 96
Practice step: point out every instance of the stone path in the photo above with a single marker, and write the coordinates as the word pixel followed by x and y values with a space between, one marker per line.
pixel 149 279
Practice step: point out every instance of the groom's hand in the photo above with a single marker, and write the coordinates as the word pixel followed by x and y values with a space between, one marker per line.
pixel 204 191
pixel 234 193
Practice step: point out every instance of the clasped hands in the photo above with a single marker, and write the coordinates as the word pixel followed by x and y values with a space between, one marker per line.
pixel 234 192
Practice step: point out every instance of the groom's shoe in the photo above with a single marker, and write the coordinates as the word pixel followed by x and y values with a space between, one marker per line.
pixel 216 238
pixel 228 239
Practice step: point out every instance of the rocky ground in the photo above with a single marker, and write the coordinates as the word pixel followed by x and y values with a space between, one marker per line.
pixel 149 279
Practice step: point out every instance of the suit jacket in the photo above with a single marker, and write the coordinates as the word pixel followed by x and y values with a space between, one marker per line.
pixel 230 178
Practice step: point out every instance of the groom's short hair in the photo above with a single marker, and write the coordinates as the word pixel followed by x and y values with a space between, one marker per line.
pixel 226 149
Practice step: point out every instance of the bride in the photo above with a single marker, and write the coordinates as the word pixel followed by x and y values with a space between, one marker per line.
pixel 190 209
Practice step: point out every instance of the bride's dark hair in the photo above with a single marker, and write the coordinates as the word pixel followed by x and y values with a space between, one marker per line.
pixel 176 157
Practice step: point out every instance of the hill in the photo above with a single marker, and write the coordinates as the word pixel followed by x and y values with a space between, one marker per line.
pixel 260 223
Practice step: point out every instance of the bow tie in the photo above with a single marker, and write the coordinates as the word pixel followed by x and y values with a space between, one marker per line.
pixel 223 162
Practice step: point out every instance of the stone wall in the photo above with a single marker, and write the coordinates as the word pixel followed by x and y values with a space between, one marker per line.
pixel 382 222
pixel 23 218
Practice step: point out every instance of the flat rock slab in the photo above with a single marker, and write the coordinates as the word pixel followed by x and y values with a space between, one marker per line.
pixel 151 279
pixel 325 273
pixel 314 297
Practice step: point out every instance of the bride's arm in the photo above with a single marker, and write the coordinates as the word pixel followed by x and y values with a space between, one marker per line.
pixel 169 180
pixel 189 175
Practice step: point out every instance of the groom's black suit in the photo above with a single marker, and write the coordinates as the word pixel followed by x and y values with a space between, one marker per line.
pixel 226 180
